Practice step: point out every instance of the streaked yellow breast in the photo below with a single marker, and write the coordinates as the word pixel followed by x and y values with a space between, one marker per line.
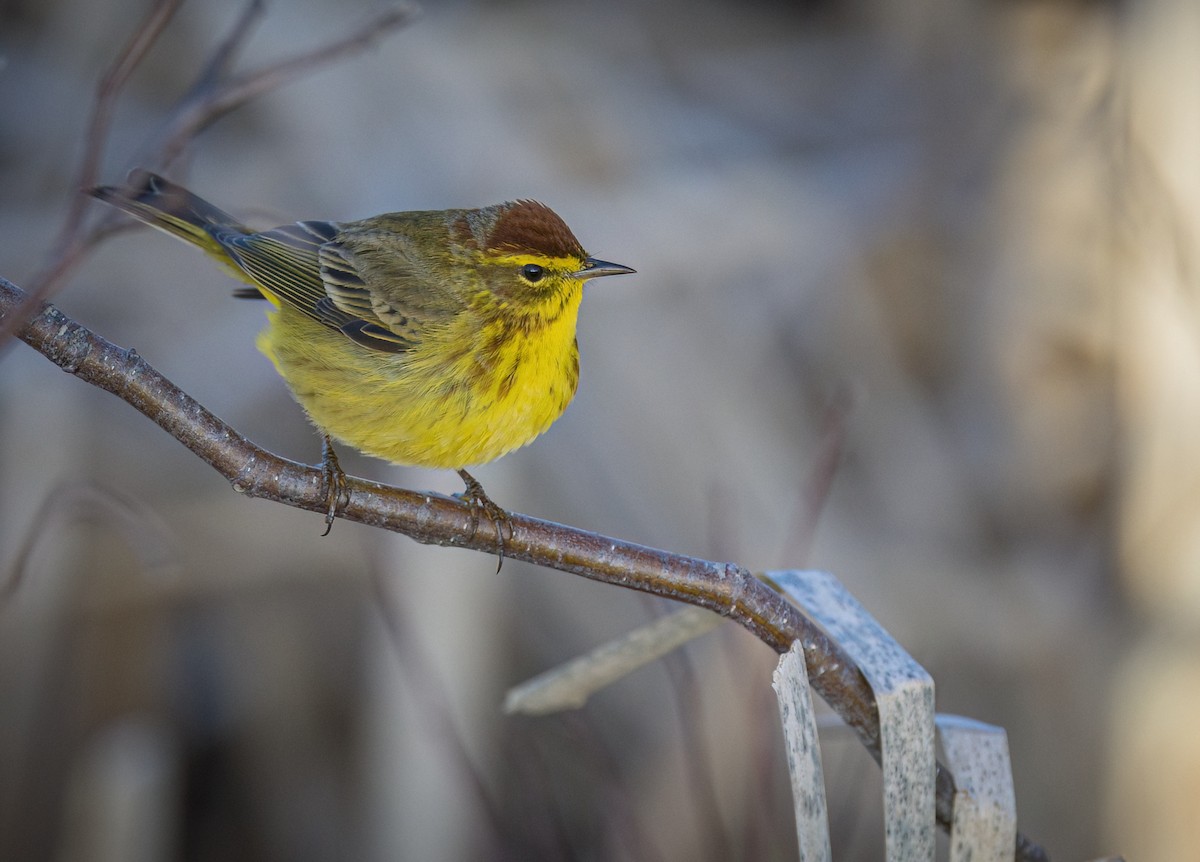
pixel 484 385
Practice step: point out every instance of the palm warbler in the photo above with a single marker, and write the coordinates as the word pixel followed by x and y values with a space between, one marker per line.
pixel 437 339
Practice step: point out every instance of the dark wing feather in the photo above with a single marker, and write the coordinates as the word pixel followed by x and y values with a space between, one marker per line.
pixel 284 261
pixel 305 265
pixel 362 331
pixel 343 285
pixel 381 271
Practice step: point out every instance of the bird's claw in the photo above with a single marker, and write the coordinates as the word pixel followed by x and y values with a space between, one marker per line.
pixel 337 494
pixel 475 497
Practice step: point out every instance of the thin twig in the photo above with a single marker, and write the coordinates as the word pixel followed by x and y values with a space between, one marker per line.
pixel 71 242
pixel 223 55
pixel 109 89
pixel 814 493
pixel 211 97
pixel 70 502
pixel 433 706
pixel 725 588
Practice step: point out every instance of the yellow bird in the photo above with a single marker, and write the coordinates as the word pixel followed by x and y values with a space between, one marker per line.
pixel 441 338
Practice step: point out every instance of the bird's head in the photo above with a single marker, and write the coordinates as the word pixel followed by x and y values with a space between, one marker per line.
pixel 526 254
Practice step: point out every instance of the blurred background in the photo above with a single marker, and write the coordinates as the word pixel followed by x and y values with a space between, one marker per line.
pixel 973 222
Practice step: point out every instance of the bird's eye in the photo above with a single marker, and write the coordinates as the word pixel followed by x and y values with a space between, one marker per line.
pixel 532 272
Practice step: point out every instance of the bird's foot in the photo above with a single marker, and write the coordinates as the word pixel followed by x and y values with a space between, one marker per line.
pixel 475 497
pixel 337 494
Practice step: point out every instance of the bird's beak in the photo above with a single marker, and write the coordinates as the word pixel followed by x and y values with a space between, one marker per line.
pixel 593 268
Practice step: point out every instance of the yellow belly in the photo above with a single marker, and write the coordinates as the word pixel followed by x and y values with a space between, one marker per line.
pixel 447 403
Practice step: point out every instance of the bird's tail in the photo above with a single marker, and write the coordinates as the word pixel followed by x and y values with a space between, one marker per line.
pixel 172 208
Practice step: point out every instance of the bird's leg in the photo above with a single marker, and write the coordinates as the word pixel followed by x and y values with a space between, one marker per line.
pixel 479 501
pixel 335 482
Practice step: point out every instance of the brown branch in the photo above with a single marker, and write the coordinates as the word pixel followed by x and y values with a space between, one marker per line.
pixel 725 588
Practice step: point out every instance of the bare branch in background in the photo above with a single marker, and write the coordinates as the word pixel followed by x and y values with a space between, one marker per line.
pixel 211 98
pixel 213 95
pixel 72 241
pixel 141 527
pixel 814 493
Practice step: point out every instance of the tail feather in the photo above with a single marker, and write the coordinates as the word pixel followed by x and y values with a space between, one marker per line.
pixel 172 208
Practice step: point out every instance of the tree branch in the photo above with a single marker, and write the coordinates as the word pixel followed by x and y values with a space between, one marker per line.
pixel 430 518
pixel 724 588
